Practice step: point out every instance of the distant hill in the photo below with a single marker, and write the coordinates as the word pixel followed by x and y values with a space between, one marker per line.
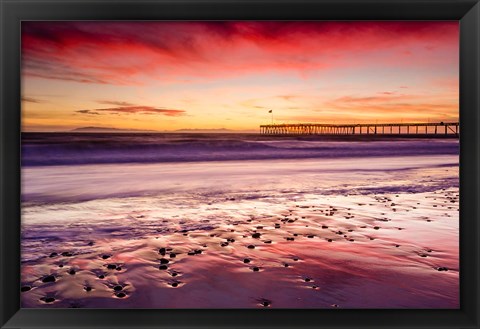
pixel 107 130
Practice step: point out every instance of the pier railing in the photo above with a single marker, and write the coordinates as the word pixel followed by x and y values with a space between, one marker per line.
pixel 440 128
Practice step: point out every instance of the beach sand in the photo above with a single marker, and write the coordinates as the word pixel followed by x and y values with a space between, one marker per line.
pixel 244 235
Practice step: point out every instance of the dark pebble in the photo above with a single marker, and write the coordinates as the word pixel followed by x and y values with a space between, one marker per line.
pixel 174 273
pixel 87 289
pixel 119 268
pixel 295 234
pixel 198 252
pixel 266 303
pixel 376 228
pixel 329 240
pixel 111 266
pixel 91 243
pixel 53 254
pixel 324 226
pixel 49 278
pixel 295 258
pixel 101 276
pixel 308 279
pixel 310 236
pixel 256 235
pixel 286 265
pixel 25 288
pixel 164 261
pixel 224 244
pixel 67 254
pixel 175 284
pixel 49 299
pixel 61 265
pixel 422 255
pixel 255 269
pixel 442 269
pixel 397 245
pixel 163 267
pixel 290 239
pixel 251 246
pixel 267 241
pixel 71 272
pixel 162 251
pixel 173 255
pixel 120 294
pixel 277 225
pixel 246 260
pixel 118 287
pixel 105 256
pixel 231 240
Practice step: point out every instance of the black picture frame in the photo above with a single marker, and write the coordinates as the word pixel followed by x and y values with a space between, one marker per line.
pixel 15 11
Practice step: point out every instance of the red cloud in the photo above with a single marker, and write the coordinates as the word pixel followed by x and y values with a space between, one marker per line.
pixel 126 52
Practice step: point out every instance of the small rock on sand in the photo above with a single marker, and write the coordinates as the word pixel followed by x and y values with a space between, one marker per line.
pixel 49 278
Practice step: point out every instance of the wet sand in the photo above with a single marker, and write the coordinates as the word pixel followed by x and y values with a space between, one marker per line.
pixel 294 247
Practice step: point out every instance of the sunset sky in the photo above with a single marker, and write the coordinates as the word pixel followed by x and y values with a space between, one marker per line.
pixel 212 75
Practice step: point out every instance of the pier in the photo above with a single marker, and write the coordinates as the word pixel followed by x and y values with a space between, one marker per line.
pixel 450 129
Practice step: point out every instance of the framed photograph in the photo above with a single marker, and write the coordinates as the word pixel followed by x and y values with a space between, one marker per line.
pixel 239 164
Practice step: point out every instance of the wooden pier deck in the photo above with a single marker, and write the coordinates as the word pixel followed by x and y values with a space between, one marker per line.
pixel 387 129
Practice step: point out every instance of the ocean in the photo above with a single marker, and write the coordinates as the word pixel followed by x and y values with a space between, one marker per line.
pixel 340 221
